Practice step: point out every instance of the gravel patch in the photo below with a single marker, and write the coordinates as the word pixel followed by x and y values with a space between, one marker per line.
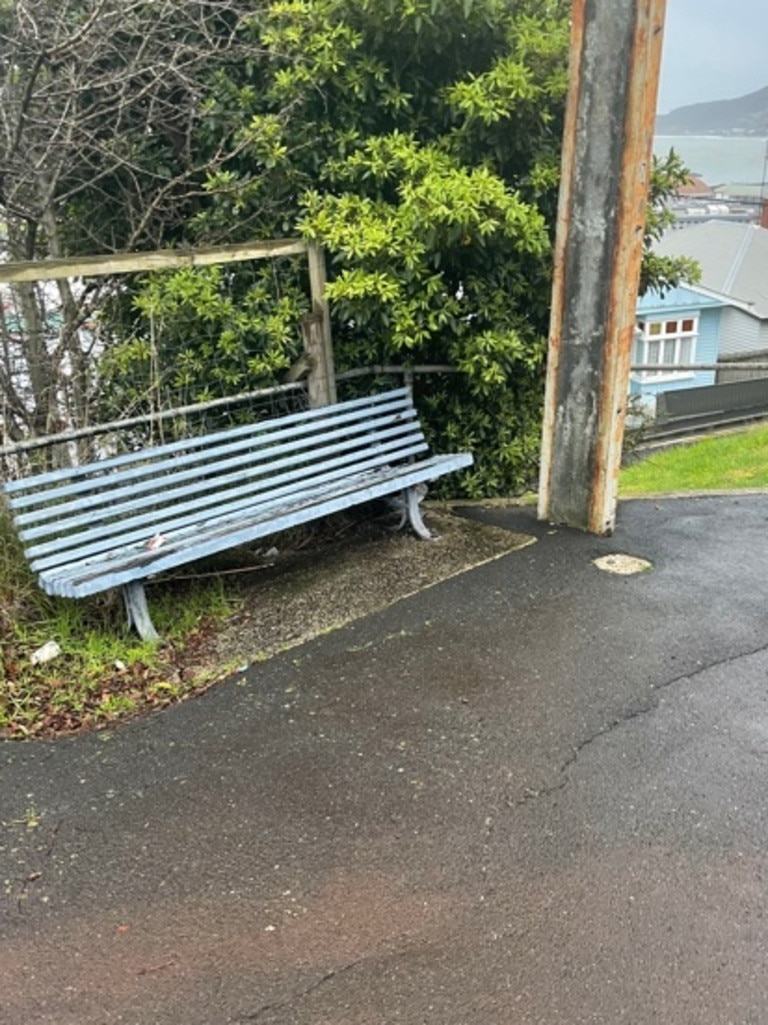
pixel 293 595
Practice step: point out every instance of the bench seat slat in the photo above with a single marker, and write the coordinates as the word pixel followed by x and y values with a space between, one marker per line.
pixel 91 577
pixel 165 520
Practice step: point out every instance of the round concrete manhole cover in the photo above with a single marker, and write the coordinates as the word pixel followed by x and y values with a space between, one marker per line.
pixel 625 565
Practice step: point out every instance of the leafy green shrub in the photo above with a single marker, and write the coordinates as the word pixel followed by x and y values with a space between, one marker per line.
pixel 418 141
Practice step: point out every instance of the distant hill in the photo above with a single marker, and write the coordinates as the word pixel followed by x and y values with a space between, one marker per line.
pixel 747 115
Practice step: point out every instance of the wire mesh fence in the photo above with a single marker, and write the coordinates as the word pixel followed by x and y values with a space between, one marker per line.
pixel 134 433
pixel 195 419
pixel 91 366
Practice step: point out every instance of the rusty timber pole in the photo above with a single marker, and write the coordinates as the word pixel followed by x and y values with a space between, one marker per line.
pixel 607 159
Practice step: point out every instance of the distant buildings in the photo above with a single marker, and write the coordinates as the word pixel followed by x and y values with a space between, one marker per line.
pixel 697 202
pixel 679 328
pixel 734 268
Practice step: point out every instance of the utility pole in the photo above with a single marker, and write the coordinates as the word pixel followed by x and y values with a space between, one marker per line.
pixel 606 169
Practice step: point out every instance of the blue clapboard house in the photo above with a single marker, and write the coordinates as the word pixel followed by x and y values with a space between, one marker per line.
pixel 680 327
pixel 723 318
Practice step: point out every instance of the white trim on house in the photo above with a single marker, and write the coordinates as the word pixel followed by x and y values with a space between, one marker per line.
pixel 668 340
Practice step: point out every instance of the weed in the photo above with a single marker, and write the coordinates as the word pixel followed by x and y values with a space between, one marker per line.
pixel 32 818
pixel 104 672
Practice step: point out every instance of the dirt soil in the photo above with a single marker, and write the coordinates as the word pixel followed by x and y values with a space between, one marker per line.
pixel 295 594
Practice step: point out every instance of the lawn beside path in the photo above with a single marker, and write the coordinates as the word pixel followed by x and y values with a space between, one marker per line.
pixel 726 462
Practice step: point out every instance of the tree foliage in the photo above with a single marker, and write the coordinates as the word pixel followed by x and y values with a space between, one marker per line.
pixel 665 272
pixel 418 141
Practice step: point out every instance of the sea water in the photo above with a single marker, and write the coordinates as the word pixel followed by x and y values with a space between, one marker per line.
pixel 719 160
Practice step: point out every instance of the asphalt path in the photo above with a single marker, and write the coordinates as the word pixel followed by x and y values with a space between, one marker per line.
pixel 534 793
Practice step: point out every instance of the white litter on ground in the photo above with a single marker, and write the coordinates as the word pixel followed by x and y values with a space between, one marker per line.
pixel 622 564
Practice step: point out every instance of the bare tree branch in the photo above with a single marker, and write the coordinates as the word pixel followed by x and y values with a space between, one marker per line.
pixel 100 101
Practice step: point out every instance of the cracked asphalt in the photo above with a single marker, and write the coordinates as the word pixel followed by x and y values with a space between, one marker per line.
pixel 534 793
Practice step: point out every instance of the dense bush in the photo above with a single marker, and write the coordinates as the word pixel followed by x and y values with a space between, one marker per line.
pixel 418 141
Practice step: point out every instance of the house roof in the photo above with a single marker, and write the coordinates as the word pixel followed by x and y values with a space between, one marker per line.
pixel 695 186
pixel 733 259
pixel 679 300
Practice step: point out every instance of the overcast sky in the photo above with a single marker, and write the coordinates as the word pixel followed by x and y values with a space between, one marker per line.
pixel 713 50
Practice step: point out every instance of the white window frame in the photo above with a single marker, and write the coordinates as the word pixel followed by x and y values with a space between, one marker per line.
pixel 656 339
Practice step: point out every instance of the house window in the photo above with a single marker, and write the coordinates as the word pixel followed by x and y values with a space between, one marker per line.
pixel 672 342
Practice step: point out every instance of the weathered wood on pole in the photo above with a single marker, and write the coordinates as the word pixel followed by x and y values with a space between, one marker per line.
pixel 607 161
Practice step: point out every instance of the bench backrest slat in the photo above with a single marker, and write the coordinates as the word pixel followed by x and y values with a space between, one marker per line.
pixel 79 580
pixel 262 433
pixel 142 474
pixel 261 473
pixel 190 533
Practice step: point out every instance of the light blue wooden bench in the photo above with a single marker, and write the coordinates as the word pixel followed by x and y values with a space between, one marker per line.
pixel 117 521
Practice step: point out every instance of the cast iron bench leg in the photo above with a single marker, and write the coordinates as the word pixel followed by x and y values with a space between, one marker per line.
pixel 138 612
pixel 411 503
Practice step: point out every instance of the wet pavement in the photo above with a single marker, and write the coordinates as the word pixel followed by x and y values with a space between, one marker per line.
pixel 534 793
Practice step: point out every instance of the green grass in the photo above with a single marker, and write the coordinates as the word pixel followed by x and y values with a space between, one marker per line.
pixel 727 462
pixel 104 671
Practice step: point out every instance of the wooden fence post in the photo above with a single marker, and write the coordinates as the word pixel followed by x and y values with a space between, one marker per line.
pixel 318 344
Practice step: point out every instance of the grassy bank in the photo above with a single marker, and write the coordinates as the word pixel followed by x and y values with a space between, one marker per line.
pixel 726 462
pixel 103 671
